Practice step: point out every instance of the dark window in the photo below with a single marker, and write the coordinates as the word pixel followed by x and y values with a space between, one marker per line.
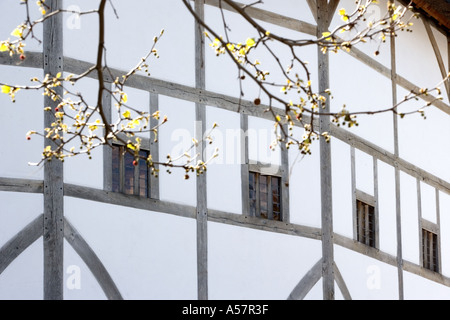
pixel 365 217
pixel 265 196
pixel 130 175
pixel 429 250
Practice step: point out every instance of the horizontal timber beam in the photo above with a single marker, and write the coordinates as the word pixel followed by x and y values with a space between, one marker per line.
pixel 216 216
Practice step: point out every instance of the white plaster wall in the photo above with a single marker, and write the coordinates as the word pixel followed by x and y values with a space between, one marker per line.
pixel 260 136
pixel 224 172
pixel 14 16
pixel 17 211
pixel 362 89
pixel 387 207
pixel 364 172
pixel 304 184
pixel 17 119
pixel 342 188
pixel 149 255
pixel 175 138
pixel 23 279
pixel 79 282
pixel 414 284
pixel 374 13
pixel 428 200
pixel 409 218
pixel 444 207
pixel 422 142
pixel 246 264
pixel 222 72
pixel 366 278
pixel 130 37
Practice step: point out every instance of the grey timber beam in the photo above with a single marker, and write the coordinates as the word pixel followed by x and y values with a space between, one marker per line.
pixel 325 161
pixel 285 180
pixel 313 6
pixel 33 60
pixel 438 54
pixel 394 80
pixel 107 150
pixel 307 283
pixel 341 284
pixel 53 170
pixel 200 116
pixel 154 146
pixel 25 238
pixel 245 189
pixel 94 264
pixel 21 185
pixel 271 17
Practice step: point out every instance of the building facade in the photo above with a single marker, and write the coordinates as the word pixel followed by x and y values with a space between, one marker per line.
pixel 366 216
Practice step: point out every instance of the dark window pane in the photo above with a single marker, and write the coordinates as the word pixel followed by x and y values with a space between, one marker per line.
pixel 252 193
pixel 143 175
pixel 263 196
pixel 128 184
pixel 116 169
pixel 276 197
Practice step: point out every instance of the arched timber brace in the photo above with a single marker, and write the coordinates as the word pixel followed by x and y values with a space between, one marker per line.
pixel 53 170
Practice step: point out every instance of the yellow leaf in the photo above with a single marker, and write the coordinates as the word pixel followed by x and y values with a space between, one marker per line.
pixel 126 114
pixel 3 47
pixel 250 42
pixel 17 33
pixel 6 89
pixel 326 35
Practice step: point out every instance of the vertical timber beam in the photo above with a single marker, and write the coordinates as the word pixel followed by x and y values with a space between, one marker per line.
pixel 325 161
pixel 397 171
pixel 107 150
pixel 154 147
pixel 244 165
pixel 53 170
pixel 200 115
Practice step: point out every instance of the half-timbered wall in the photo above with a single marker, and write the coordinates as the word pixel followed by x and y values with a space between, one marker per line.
pixel 194 239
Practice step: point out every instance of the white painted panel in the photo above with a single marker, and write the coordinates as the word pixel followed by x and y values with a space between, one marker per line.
pixel 418 288
pixel 428 199
pixel 422 141
pixel 224 172
pixel 17 152
pixel 342 188
pixel 304 184
pixel 23 279
pixel 442 42
pixel 375 12
pixel 409 218
pixel 387 207
pixel 17 211
pixel 127 42
pixel 316 292
pixel 364 172
pixel 175 138
pixel 260 137
pixel 361 89
pixel 148 255
pixel 253 264
pixel 366 278
pixel 222 73
pixel 79 282
pixel 413 47
pixel 15 14
pixel 444 208
pixel 289 8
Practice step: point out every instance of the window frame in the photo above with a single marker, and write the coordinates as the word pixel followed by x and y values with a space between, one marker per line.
pixel 269 171
pixel 428 228
pixel 145 147
pixel 370 208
